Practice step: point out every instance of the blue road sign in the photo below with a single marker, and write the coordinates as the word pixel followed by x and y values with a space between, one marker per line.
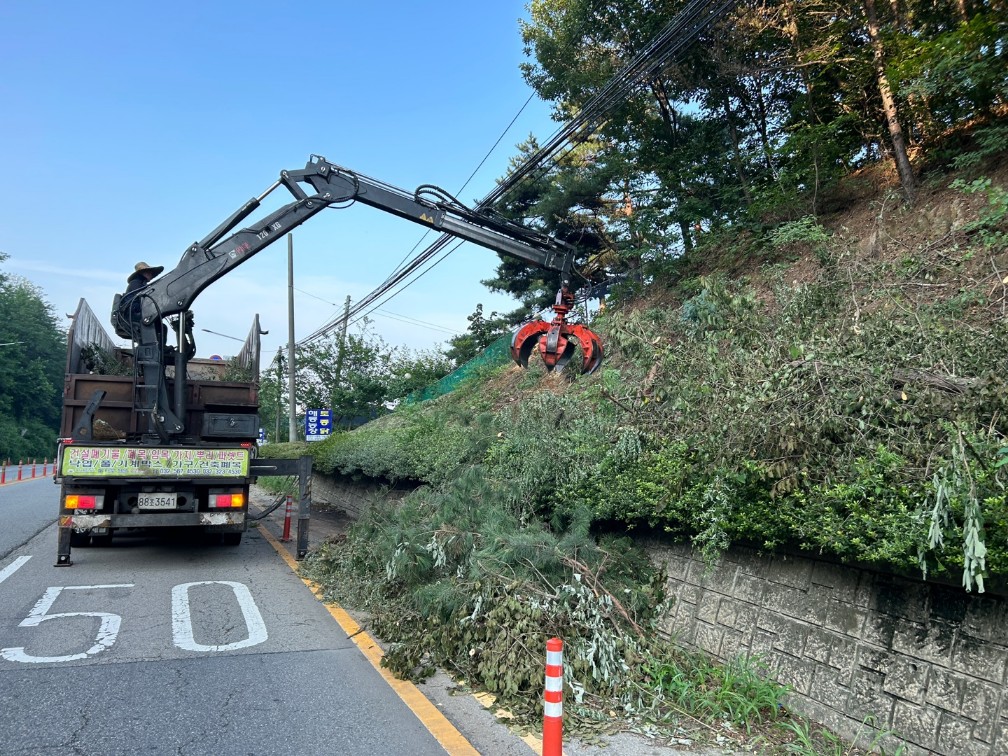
pixel 318 424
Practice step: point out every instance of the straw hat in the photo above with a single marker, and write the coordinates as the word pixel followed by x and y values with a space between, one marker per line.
pixel 142 267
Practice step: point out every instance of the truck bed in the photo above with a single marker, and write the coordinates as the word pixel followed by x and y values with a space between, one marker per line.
pixel 115 417
pixel 215 408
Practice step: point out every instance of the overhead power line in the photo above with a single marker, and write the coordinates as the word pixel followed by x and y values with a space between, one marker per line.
pixel 660 52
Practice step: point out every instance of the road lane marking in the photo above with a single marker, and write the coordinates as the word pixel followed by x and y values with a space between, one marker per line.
pixel 182 627
pixel 13 567
pixel 106 636
pixel 453 741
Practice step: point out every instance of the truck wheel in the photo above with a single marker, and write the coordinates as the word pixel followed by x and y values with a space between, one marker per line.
pixel 231 539
pixel 80 540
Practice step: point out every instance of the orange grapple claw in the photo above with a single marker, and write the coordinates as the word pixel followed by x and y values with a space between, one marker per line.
pixel 556 344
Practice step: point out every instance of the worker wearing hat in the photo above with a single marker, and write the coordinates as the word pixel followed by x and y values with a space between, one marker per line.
pixel 142 275
pixel 128 305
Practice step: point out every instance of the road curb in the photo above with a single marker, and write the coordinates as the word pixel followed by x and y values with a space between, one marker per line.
pixel 453 741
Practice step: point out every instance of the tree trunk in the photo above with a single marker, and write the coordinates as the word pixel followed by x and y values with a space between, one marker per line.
pixel 762 125
pixel 668 116
pixel 687 238
pixel 897 16
pixel 889 110
pixel 791 30
pixel 736 157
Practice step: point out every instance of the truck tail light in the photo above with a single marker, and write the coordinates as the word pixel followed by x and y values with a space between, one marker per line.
pixel 80 501
pixel 228 501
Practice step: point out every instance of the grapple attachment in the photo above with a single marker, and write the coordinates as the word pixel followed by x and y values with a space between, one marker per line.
pixel 557 341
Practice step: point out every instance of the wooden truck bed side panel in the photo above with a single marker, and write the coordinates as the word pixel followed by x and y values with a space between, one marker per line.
pixel 115 418
pixel 115 415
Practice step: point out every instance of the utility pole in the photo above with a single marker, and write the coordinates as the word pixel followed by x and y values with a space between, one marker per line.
pixel 342 338
pixel 342 347
pixel 279 407
pixel 290 337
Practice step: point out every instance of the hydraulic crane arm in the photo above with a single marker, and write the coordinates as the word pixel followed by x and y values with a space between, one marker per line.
pixel 319 185
pixel 216 255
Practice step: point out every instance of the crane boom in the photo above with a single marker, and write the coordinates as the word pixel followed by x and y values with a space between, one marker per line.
pixel 215 256
pixel 319 185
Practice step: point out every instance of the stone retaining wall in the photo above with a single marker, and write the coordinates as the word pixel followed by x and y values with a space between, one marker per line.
pixel 926 662
pixel 353 496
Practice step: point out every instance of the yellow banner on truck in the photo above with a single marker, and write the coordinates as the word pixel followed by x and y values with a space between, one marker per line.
pixel 83 461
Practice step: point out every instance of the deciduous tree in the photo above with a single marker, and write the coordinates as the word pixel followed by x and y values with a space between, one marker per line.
pixel 32 360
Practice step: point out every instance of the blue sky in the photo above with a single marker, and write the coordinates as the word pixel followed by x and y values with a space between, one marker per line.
pixel 129 130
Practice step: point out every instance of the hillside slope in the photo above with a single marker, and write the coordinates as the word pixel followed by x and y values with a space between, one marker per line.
pixel 836 384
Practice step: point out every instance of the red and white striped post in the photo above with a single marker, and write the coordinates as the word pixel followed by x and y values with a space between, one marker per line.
pixel 20 467
pixel 287 519
pixel 3 472
pixel 34 465
pixel 553 699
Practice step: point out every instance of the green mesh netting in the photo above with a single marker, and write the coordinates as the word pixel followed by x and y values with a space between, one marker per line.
pixel 496 354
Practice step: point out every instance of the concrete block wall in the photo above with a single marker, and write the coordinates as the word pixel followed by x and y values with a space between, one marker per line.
pixel 927 662
pixel 353 496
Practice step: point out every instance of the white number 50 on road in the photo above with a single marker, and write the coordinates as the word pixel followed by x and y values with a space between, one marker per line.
pixel 108 629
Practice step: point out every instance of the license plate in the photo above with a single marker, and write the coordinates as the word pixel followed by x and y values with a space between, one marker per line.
pixel 157 501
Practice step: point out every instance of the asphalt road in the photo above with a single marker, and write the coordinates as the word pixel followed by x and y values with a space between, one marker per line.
pixel 170 645
pixel 165 645
pixel 26 508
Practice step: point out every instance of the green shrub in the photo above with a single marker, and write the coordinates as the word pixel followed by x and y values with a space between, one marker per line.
pixel 812 424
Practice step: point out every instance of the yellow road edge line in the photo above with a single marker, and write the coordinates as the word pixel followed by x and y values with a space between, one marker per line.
pixel 453 741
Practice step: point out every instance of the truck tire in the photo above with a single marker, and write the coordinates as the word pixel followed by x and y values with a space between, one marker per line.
pixel 102 541
pixel 80 540
pixel 231 539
